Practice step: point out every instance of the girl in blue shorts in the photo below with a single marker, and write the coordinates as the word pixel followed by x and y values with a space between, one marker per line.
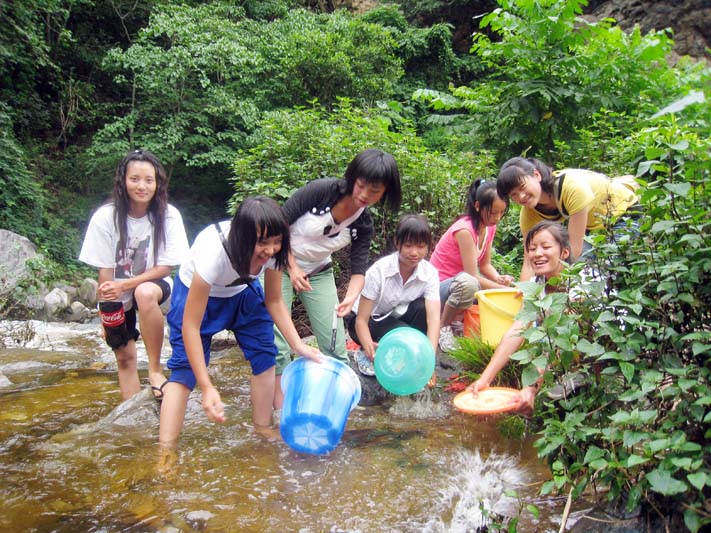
pixel 217 288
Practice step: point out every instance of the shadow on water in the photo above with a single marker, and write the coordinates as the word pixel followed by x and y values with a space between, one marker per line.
pixel 73 459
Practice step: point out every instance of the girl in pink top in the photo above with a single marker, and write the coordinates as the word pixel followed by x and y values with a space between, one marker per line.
pixel 463 256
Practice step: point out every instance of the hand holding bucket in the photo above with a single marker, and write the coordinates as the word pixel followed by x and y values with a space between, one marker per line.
pixel 404 361
pixel 318 397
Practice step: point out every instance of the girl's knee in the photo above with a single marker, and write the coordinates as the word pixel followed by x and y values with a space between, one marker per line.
pixel 462 291
pixel 125 358
pixel 147 295
pixel 466 282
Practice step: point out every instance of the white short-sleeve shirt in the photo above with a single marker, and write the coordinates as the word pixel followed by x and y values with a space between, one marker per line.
pixel 100 248
pixel 209 259
pixel 384 286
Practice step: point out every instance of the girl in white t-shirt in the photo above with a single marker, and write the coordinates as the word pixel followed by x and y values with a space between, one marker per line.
pixel 401 289
pixel 547 248
pixel 135 240
pixel 217 288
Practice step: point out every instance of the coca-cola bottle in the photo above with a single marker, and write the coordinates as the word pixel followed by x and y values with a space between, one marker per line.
pixel 113 319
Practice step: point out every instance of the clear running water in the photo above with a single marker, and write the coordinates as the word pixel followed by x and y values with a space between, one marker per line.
pixel 71 460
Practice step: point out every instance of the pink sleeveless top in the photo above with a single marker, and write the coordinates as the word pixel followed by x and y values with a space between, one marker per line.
pixel 446 256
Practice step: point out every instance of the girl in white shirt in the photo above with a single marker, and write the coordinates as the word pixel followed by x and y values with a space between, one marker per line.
pixel 135 241
pixel 217 288
pixel 401 289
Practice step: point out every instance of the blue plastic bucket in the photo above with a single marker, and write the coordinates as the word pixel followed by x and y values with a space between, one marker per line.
pixel 318 397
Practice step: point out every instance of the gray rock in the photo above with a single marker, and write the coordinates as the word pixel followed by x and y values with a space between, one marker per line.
pixel 599 520
pixel 15 251
pixel 372 393
pixel 78 312
pixel 34 303
pixel 55 302
pixel 70 290
pixel 139 409
pixel 4 381
pixel 690 20
pixel 87 292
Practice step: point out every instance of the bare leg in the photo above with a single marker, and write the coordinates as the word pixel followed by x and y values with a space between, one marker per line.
pixel 278 393
pixel 172 412
pixel 152 326
pixel 262 393
pixel 449 314
pixel 167 457
pixel 127 370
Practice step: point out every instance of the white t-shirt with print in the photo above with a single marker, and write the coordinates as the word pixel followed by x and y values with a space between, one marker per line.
pixel 209 259
pixel 100 248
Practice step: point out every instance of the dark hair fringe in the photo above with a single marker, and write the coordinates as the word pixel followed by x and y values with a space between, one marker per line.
pixel 415 229
pixel 258 217
pixel 514 170
pixel 376 166
pixel 558 231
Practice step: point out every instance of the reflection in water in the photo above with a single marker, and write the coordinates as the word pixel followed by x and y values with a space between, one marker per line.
pixel 72 459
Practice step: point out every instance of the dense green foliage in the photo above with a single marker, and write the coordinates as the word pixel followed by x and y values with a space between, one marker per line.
pixel 294 147
pixel 427 54
pixel 201 76
pixel 188 81
pixel 25 203
pixel 640 430
pixel 22 198
pixel 548 73
pixel 240 98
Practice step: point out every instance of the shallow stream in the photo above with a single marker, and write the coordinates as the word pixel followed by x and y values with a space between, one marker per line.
pixel 73 459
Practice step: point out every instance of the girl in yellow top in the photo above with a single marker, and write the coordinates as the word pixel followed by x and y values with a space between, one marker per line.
pixel 587 200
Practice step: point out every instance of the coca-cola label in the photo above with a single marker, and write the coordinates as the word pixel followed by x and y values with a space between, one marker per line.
pixel 111 320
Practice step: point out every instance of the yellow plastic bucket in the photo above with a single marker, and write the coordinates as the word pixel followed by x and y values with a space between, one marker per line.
pixel 497 309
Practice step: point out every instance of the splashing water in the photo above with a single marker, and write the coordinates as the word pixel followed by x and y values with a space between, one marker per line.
pixel 480 482
pixel 422 405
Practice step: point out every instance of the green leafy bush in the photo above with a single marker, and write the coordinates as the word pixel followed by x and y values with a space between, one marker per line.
pixel 427 54
pixel 294 147
pixel 475 354
pixel 22 199
pixel 25 206
pixel 550 72
pixel 199 77
pixel 641 430
pixel 306 56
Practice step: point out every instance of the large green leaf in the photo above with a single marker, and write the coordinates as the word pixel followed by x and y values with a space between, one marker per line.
pixel 661 481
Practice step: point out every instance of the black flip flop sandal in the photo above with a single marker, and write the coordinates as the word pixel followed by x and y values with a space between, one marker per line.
pixel 159 397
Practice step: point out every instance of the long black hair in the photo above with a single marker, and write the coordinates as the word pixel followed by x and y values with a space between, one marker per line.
pixel 157 208
pixel 258 217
